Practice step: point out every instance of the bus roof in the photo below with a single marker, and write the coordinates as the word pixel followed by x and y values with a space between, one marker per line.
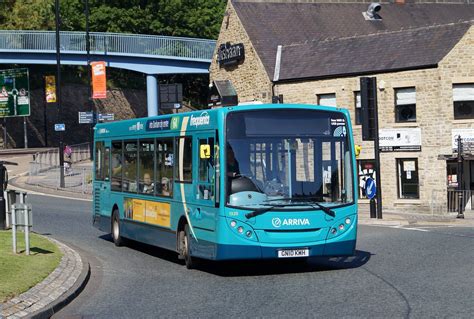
pixel 196 120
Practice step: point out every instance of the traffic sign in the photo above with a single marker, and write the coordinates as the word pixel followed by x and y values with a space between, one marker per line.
pixel 86 117
pixel 106 117
pixel 370 188
pixel 59 127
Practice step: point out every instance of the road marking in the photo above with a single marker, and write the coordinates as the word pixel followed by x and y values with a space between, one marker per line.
pixel 31 192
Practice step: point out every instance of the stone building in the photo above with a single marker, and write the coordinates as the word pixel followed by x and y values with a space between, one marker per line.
pixel 421 53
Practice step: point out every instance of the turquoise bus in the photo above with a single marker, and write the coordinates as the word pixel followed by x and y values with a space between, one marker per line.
pixel 242 182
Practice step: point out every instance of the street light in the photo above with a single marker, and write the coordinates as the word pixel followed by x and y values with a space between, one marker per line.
pixel 58 92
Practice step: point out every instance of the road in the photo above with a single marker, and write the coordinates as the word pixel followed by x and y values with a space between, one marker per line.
pixel 396 273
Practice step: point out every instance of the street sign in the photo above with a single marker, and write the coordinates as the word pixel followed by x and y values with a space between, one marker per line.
pixel 171 96
pixel 106 117
pixel 370 188
pixel 86 117
pixel 14 93
pixel 59 127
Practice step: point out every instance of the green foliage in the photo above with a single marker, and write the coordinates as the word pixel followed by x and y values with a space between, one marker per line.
pixel 184 18
pixel 181 18
pixel 37 15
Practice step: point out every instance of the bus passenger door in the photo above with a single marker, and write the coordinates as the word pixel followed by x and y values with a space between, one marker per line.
pixel 102 180
pixel 204 210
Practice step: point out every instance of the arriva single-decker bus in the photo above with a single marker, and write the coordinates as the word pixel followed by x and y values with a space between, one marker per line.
pixel 242 182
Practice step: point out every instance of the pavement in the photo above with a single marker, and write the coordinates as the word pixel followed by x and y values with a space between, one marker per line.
pixel 73 272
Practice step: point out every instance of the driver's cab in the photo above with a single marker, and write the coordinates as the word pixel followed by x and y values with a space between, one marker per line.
pixel 282 155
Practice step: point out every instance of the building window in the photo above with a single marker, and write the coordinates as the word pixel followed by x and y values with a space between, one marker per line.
pixel 327 99
pixel 463 99
pixel 405 105
pixel 358 108
pixel 366 170
pixel 408 183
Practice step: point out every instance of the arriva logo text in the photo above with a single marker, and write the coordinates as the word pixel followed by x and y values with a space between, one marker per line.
pixel 277 222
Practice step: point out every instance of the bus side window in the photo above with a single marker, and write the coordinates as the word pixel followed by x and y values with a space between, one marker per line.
pixel 107 164
pixel 206 169
pixel 184 148
pixel 164 167
pixel 99 161
pixel 129 176
pixel 146 174
pixel 116 164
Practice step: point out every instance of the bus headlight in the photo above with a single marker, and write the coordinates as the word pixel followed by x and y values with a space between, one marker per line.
pixel 233 224
pixel 348 220
pixel 248 234
pixel 240 229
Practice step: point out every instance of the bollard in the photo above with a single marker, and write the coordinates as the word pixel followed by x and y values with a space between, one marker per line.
pixel 373 209
pixel 13 228
pixel 22 217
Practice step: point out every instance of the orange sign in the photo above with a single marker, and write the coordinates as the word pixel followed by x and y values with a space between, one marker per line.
pixel 50 81
pixel 99 81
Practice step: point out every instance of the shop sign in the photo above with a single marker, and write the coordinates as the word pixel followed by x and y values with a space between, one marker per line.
pixel 467 138
pixel 400 140
pixel 229 54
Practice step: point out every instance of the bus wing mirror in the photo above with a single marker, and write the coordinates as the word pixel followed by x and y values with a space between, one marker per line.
pixel 205 151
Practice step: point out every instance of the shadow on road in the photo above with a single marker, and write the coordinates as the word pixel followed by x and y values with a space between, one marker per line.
pixel 154 251
pixel 256 267
pixel 278 266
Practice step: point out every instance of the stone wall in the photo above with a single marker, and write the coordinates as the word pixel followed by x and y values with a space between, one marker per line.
pixel 248 77
pixel 434 115
pixel 434 109
pixel 124 104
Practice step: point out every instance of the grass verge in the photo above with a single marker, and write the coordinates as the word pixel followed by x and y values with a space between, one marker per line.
pixel 19 272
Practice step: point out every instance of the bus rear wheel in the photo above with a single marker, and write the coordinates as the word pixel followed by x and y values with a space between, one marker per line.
pixel 117 238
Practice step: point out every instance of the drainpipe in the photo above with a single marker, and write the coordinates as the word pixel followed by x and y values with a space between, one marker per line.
pixel 276 74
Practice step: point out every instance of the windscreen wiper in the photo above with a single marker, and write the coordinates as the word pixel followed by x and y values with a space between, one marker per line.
pixel 266 209
pixel 311 202
pixel 325 209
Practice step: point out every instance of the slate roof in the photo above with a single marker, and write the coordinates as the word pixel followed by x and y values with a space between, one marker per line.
pixel 319 39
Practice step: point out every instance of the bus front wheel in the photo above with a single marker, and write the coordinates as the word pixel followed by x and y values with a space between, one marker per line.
pixel 186 248
pixel 117 238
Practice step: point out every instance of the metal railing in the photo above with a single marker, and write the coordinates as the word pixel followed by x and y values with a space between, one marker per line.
pixel 459 197
pixel 104 43
pixel 77 179
pixel 444 202
pixel 49 159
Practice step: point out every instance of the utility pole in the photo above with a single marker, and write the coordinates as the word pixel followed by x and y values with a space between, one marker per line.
pixel 58 92
pixel 89 75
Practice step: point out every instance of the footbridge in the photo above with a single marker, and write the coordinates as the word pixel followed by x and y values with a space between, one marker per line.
pixel 149 54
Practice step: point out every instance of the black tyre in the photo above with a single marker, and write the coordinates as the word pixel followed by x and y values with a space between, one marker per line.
pixel 190 261
pixel 117 238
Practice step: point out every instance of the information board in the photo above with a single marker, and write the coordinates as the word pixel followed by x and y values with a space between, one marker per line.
pixel 14 93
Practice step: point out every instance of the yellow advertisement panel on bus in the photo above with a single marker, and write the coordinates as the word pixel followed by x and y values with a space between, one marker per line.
pixel 147 211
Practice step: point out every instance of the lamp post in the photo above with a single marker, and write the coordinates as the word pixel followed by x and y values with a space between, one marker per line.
pixel 58 92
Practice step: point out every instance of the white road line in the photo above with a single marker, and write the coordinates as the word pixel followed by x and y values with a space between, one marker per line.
pixel 411 228
pixel 31 192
